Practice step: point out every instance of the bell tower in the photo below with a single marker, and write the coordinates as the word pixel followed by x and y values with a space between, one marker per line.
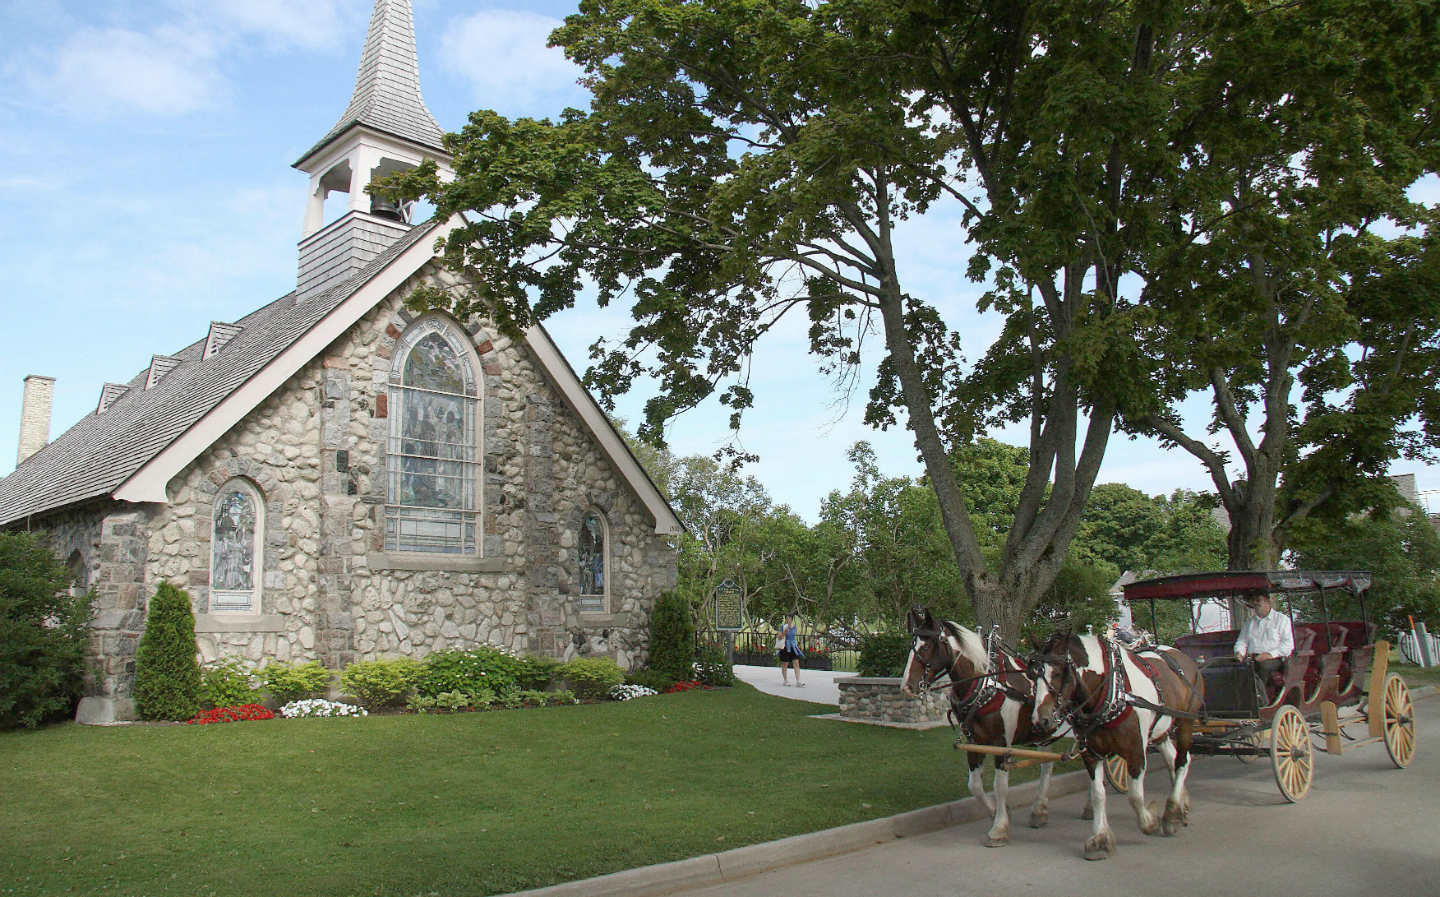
pixel 386 128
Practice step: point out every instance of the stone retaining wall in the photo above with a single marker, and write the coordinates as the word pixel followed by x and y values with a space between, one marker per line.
pixel 880 700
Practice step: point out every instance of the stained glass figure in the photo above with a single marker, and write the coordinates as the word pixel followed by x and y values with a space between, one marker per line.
pixel 433 452
pixel 232 565
pixel 592 556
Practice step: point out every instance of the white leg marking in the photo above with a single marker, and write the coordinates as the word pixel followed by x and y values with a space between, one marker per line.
pixel 977 788
pixel 1040 810
pixel 1000 832
pixel 1102 840
pixel 1149 823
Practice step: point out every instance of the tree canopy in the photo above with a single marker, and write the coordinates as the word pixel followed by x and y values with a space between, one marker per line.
pixel 748 159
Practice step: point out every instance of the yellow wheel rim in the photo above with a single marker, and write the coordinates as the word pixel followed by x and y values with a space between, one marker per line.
pixel 1117 773
pixel 1399 721
pixel 1290 753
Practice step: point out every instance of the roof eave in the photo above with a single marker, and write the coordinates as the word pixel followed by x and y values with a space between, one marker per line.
pixel 320 147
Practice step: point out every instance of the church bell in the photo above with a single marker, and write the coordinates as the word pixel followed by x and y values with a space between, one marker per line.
pixel 384 207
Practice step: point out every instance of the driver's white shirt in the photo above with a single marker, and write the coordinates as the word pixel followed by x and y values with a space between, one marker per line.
pixel 1270 634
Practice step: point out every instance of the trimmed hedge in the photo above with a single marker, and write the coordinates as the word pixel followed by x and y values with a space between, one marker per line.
pixel 672 638
pixel 884 654
pixel 167 676
pixel 380 683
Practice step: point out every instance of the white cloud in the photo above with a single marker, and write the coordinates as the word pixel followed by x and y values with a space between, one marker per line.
pixel 309 24
pixel 167 71
pixel 503 54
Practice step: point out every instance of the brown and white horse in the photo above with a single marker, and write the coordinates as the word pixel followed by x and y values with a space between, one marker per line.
pixel 991 696
pixel 1118 703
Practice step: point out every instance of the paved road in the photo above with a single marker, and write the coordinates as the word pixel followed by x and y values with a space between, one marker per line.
pixel 1365 828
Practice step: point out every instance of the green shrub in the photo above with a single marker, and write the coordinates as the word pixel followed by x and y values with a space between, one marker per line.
pixel 380 683
pixel 563 696
pixel 294 683
pixel 468 671
pixel 509 698
pixel 672 637
pixel 651 679
pixel 593 677
pixel 712 667
pixel 42 634
pixel 536 673
pixel 884 653
pixel 532 698
pixel 227 683
pixel 167 677
pixel 483 698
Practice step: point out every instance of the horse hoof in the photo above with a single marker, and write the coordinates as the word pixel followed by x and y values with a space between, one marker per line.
pixel 996 842
pixel 1096 853
pixel 1038 820
pixel 1087 813
pixel 1168 827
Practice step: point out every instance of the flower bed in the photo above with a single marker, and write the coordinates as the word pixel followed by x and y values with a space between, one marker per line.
pixel 626 692
pixel 240 713
pixel 686 686
pixel 317 707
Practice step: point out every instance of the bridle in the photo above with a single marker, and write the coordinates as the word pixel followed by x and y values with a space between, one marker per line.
pixel 1110 701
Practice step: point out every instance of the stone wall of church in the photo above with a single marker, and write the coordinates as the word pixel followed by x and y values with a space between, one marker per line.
pixel 331 593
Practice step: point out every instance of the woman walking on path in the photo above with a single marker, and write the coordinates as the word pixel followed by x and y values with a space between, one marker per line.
pixel 789 654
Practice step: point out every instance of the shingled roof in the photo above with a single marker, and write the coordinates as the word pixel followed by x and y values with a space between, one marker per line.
pixel 387 89
pixel 94 457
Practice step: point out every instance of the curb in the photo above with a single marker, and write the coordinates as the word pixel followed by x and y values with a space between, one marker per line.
pixel 743 862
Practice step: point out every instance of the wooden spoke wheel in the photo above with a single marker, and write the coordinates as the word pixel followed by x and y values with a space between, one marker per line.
pixel 1290 753
pixel 1399 721
pixel 1250 741
pixel 1117 773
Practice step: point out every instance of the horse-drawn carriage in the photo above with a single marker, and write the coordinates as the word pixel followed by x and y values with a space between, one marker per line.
pixel 1190 698
pixel 1337 676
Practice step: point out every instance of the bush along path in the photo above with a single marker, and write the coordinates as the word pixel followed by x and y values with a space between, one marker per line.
pixel 454 804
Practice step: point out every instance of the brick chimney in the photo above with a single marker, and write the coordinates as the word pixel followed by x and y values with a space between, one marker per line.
pixel 35 416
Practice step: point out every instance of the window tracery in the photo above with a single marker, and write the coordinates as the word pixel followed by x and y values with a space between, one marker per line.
pixel 432 492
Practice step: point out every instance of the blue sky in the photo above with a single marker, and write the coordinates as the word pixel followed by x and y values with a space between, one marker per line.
pixel 144 170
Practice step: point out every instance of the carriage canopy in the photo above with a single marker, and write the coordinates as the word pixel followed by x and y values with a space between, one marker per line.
pixel 1237 584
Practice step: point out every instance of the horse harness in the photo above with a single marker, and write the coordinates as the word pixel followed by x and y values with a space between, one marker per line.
pixel 1114 701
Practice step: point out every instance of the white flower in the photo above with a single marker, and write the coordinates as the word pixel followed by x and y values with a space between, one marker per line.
pixel 316 707
pixel 626 692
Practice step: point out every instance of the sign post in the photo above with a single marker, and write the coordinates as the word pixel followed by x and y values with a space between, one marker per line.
pixel 729 614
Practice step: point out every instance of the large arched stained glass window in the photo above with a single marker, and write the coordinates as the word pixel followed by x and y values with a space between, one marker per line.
pixel 235 548
pixel 592 563
pixel 433 488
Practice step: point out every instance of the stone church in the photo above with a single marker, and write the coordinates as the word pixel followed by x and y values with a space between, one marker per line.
pixel 333 477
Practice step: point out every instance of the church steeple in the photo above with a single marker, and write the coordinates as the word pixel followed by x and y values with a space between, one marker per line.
pixel 385 129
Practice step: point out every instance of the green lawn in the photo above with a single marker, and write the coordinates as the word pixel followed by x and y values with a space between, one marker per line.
pixel 477 803
pixel 1417 676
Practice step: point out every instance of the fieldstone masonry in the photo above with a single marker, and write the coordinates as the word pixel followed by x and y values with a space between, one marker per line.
pixel 879 700
pixel 315 450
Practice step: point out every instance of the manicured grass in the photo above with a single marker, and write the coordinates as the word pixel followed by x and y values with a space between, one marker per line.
pixel 1416 676
pixel 477 803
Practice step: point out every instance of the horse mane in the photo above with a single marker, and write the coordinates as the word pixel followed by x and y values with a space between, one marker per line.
pixel 972 645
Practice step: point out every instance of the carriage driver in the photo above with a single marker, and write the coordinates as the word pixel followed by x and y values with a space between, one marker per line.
pixel 1267 638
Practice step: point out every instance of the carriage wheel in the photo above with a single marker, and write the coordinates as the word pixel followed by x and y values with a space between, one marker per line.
pixel 1117 773
pixel 1252 741
pixel 1399 721
pixel 1290 753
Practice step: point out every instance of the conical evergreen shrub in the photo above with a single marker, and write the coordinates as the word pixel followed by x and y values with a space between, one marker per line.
pixel 672 638
pixel 167 676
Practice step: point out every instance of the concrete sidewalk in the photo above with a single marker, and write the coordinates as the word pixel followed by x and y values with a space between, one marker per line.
pixel 820 687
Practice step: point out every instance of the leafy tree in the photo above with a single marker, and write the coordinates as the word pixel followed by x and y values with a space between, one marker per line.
pixel 42 634
pixel 1316 338
pixel 672 637
pixel 167 675
pixel 744 159
pixel 1401 550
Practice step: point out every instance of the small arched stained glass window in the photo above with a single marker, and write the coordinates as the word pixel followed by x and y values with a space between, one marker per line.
pixel 234 548
pixel 592 562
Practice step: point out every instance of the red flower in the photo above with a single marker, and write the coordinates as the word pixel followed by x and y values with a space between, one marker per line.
pixel 237 714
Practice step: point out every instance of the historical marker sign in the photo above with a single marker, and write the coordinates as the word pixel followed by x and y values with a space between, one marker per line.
pixel 729 607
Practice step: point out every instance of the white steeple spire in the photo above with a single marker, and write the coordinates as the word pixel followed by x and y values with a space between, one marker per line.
pixel 387 88
pixel 385 129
